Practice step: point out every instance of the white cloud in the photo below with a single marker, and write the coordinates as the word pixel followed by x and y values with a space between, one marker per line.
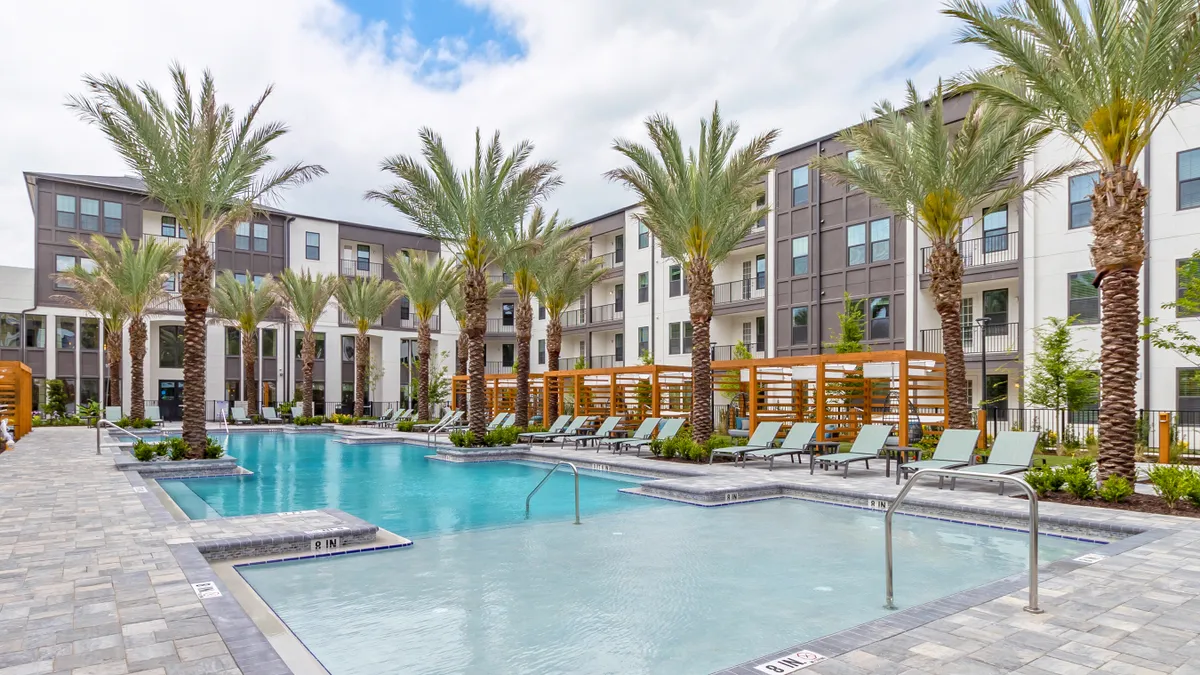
pixel 593 70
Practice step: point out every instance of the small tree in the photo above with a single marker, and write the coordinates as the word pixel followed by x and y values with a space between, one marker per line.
pixel 1062 376
pixel 56 398
pixel 852 321
pixel 1170 335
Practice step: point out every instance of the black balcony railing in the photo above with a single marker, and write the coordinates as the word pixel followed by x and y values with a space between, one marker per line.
pixel 435 322
pixel 610 261
pixel 992 249
pixel 738 291
pixel 496 368
pixel 574 318
pixel 728 352
pixel 352 267
pixel 603 313
pixel 1001 338
pixel 501 278
pixel 499 327
pixel 597 361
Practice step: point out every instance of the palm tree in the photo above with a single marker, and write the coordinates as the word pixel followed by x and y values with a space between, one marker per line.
pixel 935 176
pixel 364 300
pixel 470 212
pixel 540 239
pixel 1103 76
pixel 562 281
pixel 95 293
pixel 458 308
pixel 305 297
pixel 427 284
pixel 699 205
pixel 208 170
pixel 244 305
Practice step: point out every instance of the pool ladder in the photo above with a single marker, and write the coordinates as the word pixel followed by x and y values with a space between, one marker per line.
pixel 551 473
pixel 1032 608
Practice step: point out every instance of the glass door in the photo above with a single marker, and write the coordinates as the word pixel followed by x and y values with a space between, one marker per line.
pixel 170 400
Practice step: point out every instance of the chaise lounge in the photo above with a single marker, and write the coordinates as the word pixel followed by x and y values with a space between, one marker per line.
pixel 797 442
pixel 762 438
pixel 954 450
pixel 867 445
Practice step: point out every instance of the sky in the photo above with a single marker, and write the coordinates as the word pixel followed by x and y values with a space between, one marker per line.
pixel 355 79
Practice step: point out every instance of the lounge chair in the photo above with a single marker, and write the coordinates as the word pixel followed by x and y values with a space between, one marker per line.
pixel 605 431
pixel 508 421
pixel 798 441
pixel 494 424
pixel 270 416
pixel 385 417
pixel 238 415
pixel 558 425
pixel 762 438
pixel 670 429
pixel 572 429
pixel 153 414
pixel 870 440
pixel 1012 452
pixel 644 431
pixel 450 417
pixel 113 413
pixel 954 450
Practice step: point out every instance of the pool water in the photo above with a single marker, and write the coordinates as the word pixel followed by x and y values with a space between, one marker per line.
pixel 392 486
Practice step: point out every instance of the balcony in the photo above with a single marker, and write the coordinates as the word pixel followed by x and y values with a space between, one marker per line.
pixel 496 368
pixel 737 292
pixel 181 241
pixel 612 261
pixel 726 352
pixel 607 313
pixel 499 327
pixel 351 267
pixel 589 362
pixel 411 321
pixel 999 339
pixel 574 319
pixel 503 278
pixel 996 250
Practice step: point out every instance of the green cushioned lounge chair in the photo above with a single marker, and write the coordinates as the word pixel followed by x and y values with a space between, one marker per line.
pixel 113 413
pixel 569 430
pixel 1012 452
pixel 385 417
pixel 449 417
pixel 558 425
pixel 495 423
pixel 605 431
pixel 670 429
pixel 644 431
pixel 797 442
pixel 269 415
pixel 871 439
pixel 762 438
pixel 954 450
pixel 238 415
pixel 153 414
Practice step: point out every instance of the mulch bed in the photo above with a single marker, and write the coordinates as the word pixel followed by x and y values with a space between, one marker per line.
pixel 1137 502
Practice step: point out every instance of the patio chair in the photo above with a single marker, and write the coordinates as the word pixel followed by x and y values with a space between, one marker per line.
pixel 238 415
pixel 798 441
pixel 870 440
pixel 509 420
pixel 762 438
pixel 645 430
pixel 153 414
pixel 451 417
pixel 605 431
pixel 1012 452
pixel 954 450
pixel 571 429
pixel 558 425
pixel 385 417
pixel 496 422
pixel 113 413
pixel 270 416
pixel 670 429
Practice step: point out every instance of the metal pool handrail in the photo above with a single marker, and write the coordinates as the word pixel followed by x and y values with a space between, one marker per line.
pixel 551 473
pixel 225 422
pixel 101 422
pixel 946 473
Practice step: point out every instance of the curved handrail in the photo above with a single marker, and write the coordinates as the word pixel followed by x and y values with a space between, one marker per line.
pixel 551 473
pixel 948 473
pixel 102 422
pixel 225 422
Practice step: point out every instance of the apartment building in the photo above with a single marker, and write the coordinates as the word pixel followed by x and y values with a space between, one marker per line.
pixel 59 341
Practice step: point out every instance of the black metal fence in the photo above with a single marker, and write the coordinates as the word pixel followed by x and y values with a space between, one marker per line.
pixel 1070 427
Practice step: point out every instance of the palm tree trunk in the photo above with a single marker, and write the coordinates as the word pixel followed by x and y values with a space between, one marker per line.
pixel 475 294
pixel 137 368
pixel 1118 251
pixel 423 348
pixel 362 357
pixel 524 321
pixel 308 354
pixel 249 372
pixel 196 283
pixel 945 271
pixel 553 349
pixel 112 347
pixel 460 367
pixel 700 302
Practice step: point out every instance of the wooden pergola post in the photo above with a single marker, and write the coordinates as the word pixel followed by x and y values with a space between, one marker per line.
pixel 612 394
pixel 546 400
pixel 655 394
pixel 820 396
pixel 578 400
pixel 753 384
pixel 902 382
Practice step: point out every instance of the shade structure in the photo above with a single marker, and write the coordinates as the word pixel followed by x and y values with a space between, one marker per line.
pixel 501 392
pixel 632 392
pixel 842 392
pixel 16 397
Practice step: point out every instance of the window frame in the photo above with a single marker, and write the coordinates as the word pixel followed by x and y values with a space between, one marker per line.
pixel 92 324
pixel 265 239
pixel 643 340
pixel 32 340
pixel 643 236
pixel 676 287
pixel 760 271
pixel 1179 181
pixel 797 312
pixel 508 314
pixel 58 333
pixel 643 288
pixel 177 331
pixel 233 341
pixel 851 247
pixel 241 236
pixel 541 347
pixel 619 248
pixel 59 283
pixel 113 224
pixel 163 224
pixel 343 344
pixel 312 251
pixel 804 259
pixel 674 338
pixel 1181 313
pixel 1080 319
pixel 93 218
pixel 795 173
pixel 1087 199
pixel 994 243
pixel 874 304
pixel 59 212
pixel 508 355
pixel 262 343
pixel 318 345
pixel 872 241
pixel 362 263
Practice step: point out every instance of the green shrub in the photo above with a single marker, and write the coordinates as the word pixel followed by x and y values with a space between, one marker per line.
pixel 656 447
pixel 143 451
pixel 67 421
pixel 462 438
pixel 176 447
pixel 1079 482
pixel 1085 462
pixel 1115 489
pixel 498 437
pixel 667 449
pixel 1042 479
pixel 534 429
pixel 213 449
pixel 715 442
pixel 1173 483
pixel 697 452
pixel 56 398
pixel 405 426
pixel 303 421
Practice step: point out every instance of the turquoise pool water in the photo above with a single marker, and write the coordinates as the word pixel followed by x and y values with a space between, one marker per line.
pixel 392 486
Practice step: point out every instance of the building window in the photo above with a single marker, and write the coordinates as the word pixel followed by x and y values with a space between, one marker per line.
pixel 1080 190
pixel 170 346
pixel 89 389
pixel 267 341
pixel 1187 391
pixel 240 277
pixel 541 352
pixel 800 186
pixel 676 281
pixel 856 244
pixel 260 237
pixel 1189 179
pixel 169 284
pixel 347 348
pixel 643 236
pixel 233 341
pixel 362 258
pixel 39 392
pixel 760 271
pixel 644 287
pixel 112 218
pixel 89 334
pixel 995 229
pixel 258 280
pixel 10 330
pixel 89 215
pixel 799 325
pixel 507 352
pixel 63 263
pixel 995 310
pixel 168 227
pixel 1187 276
pixel 64 334
pixel 318 346
pixel 233 392
pixel 312 245
pixel 241 236
pixel 1084 298
pixel 405 309
pixel 619 249
pixel 541 312
pixel 799 256
pixel 881 323
pixel 966 318
pixel 679 336
pixel 619 298
pixel 348 393
pixel 35 331
pixel 65 214
pixel 507 316
pixel 619 348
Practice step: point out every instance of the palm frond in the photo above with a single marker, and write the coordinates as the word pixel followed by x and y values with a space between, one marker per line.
pixel 305 295
pixel 426 281
pixel 366 299
pixel 243 304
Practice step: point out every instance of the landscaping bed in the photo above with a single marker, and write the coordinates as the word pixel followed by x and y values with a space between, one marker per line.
pixel 1136 502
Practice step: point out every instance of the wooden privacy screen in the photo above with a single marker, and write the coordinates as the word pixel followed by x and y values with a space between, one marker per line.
pixel 500 391
pixel 631 392
pixel 842 392
pixel 16 396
